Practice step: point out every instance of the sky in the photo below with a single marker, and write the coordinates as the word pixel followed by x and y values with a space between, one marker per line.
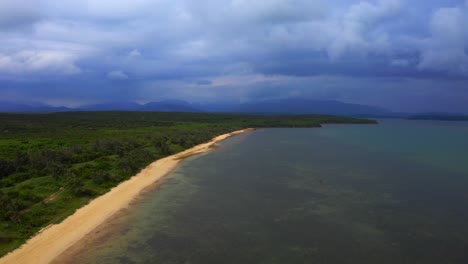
pixel 403 55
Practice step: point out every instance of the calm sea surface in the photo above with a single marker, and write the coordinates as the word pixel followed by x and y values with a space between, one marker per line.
pixel 396 192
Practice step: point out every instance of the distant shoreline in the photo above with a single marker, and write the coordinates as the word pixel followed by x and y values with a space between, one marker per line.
pixel 453 118
pixel 53 240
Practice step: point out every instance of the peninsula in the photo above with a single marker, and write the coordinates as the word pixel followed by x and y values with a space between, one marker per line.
pixel 59 172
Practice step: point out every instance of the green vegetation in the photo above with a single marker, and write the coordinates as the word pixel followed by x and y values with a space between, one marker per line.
pixel 52 164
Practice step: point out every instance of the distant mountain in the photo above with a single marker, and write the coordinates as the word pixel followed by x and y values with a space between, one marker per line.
pixel 170 106
pixel 161 106
pixel 32 107
pixel 301 106
pixel 114 106
pixel 439 116
pixel 279 106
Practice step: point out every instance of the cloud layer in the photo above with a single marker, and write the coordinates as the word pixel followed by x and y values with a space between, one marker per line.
pixel 231 50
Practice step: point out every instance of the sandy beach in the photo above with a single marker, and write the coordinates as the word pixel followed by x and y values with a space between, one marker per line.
pixel 55 239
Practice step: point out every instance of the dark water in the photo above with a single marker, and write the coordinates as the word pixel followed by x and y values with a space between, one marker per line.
pixel 392 193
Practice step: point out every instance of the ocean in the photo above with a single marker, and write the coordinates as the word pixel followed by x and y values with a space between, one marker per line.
pixel 396 192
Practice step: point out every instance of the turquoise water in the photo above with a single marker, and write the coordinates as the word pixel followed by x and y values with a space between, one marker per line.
pixel 396 192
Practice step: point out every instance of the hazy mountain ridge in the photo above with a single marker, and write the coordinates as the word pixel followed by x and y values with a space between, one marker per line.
pixel 440 116
pixel 276 106
pixel 30 107
pixel 162 106
pixel 305 106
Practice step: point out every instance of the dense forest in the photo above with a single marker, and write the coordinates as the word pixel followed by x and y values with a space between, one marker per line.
pixel 52 164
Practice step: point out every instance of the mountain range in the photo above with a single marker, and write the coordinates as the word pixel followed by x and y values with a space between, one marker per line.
pixel 276 106
pixel 161 106
pixel 10 107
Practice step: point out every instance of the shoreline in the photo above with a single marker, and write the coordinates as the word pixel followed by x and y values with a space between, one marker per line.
pixel 53 240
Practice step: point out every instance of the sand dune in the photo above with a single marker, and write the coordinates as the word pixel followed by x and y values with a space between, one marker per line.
pixel 55 239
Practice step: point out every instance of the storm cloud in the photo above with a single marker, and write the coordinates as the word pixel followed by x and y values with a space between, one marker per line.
pixel 379 52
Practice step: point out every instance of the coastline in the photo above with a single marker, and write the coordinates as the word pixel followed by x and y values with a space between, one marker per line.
pixel 53 240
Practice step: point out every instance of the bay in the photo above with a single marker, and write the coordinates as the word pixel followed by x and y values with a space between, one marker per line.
pixel 389 193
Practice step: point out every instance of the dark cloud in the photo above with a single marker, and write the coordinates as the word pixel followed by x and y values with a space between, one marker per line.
pixel 204 82
pixel 117 75
pixel 230 50
pixel 445 48
pixel 19 13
